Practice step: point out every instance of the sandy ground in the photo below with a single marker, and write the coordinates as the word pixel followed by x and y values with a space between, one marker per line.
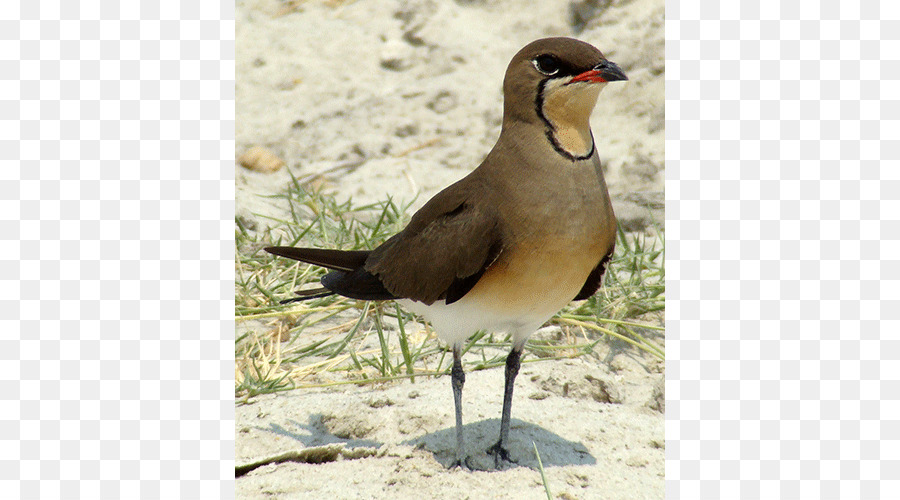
pixel 400 97
pixel 599 434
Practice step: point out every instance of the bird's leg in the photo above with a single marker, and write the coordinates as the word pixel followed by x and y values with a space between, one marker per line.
pixel 513 361
pixel 457 379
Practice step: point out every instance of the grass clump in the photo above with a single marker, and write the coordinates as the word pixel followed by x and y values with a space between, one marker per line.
pixel 334 340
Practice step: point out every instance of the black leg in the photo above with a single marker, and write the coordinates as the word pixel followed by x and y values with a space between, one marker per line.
pixel 513 361
pixel 457 379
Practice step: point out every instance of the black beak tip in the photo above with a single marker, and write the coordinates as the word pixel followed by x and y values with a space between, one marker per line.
pixel 610 71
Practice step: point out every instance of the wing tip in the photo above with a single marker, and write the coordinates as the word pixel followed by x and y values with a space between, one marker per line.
pixel 276 250
pixel 313 293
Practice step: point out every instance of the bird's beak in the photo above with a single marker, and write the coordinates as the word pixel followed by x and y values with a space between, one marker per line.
pixel 606 71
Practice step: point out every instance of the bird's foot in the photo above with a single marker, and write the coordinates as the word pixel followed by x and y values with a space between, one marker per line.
pixel 463 464
pixel 501 457
pixel 497 459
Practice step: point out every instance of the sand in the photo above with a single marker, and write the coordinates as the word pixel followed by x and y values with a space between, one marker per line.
pixel 386 97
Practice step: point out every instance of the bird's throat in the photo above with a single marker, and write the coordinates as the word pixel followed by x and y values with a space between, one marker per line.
pixel 567 110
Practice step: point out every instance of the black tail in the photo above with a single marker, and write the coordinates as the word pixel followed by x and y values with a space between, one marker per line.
pixel 348 276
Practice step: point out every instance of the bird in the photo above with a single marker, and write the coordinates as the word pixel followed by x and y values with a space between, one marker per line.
pixel 506 247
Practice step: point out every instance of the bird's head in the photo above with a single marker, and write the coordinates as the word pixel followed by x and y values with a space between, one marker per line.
pixel 555 82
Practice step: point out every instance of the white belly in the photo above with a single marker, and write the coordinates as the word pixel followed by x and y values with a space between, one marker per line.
pixel 458 321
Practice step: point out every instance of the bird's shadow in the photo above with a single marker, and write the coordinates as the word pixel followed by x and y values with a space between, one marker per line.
pixel 316 434
pixel 524 437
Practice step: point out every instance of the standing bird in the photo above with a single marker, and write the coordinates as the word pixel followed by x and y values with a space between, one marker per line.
pixel 507 246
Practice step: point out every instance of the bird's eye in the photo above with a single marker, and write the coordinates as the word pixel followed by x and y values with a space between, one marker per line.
pixel 546 64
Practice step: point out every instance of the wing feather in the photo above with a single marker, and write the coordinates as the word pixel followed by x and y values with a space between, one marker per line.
pixel 444 250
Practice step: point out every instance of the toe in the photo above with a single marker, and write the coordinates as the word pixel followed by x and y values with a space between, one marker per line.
pixel 501 456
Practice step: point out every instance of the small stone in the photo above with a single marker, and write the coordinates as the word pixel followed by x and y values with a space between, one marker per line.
pixel 443 102
pixel 380 402
pixel 636 461
pixel 602 391
pixel 396 55
pixel 260 159
pixel 407 130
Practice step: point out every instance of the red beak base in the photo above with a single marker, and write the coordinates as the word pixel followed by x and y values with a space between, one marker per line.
pixel 591 76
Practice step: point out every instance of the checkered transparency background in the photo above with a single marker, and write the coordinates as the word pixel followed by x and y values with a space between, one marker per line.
pixel 117 181
pixel 783 219
pixel 783 175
